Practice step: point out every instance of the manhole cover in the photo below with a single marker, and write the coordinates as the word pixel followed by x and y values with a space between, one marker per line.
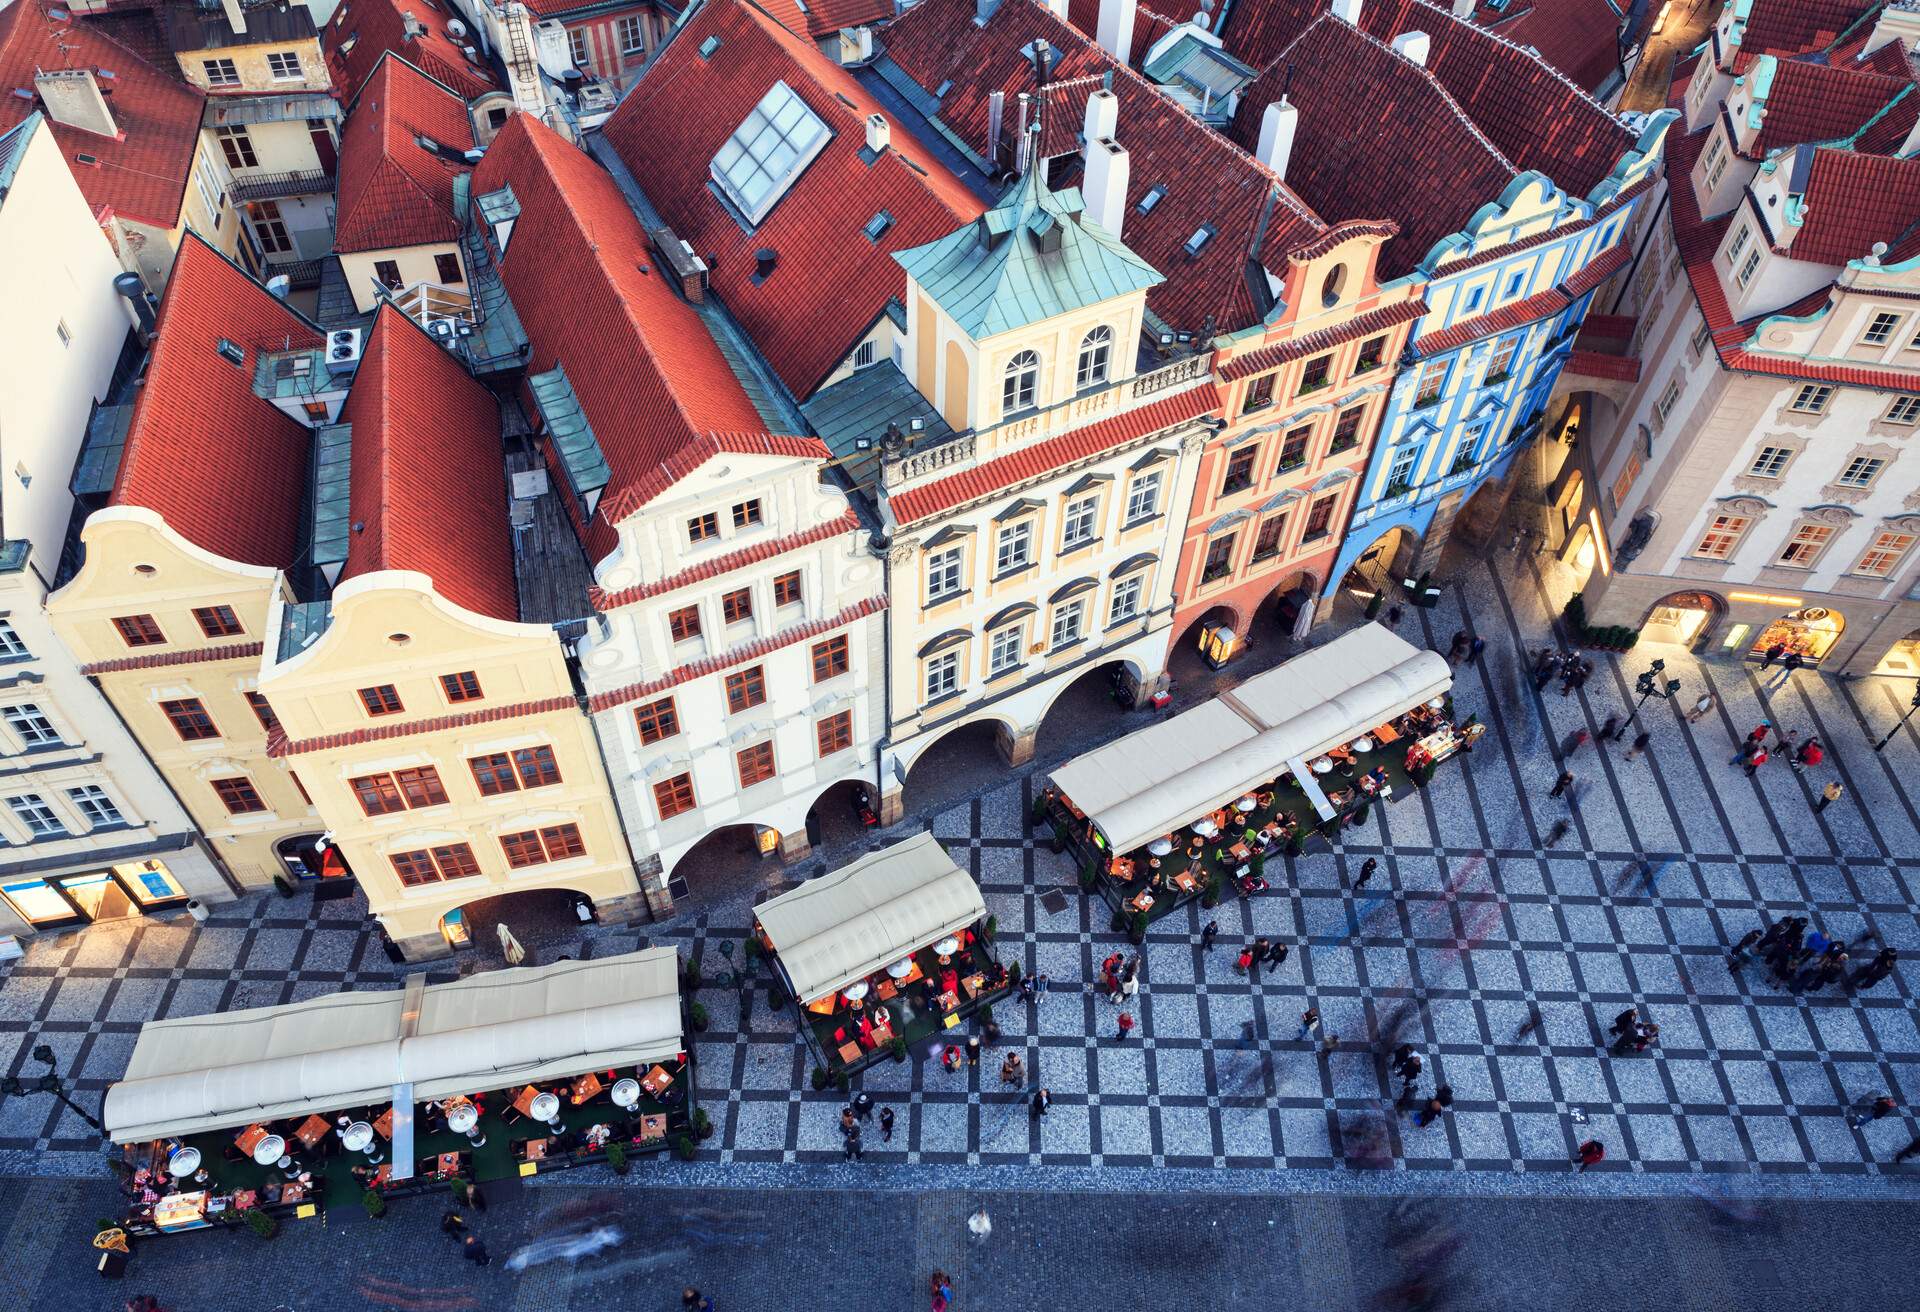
pixel 1054 902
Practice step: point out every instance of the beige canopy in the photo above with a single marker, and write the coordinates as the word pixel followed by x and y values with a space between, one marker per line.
pixel 508 1027
pixel 1154 781
pixel 843 926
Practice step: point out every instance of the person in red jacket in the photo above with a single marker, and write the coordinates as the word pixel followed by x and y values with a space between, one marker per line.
pixel 1592 1153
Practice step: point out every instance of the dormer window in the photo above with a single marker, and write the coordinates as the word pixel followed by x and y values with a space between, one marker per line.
pixel 1096 349
pixel 1022 383
pixel 772 146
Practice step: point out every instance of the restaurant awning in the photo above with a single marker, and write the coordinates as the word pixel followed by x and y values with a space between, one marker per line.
pixel 843 926
pixel 1154 781
pixel 489 1031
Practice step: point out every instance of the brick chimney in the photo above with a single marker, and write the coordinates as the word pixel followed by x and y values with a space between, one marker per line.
pixel 879 134
pixel 1348 11
pixel 1108 171
pixel 72 99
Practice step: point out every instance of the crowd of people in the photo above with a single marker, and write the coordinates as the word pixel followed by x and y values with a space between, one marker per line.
pixel 1799 958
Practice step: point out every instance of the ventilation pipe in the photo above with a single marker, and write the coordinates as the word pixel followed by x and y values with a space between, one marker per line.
pixel 135 291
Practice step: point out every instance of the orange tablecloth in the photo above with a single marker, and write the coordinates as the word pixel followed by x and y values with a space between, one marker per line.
pixel 448 1164
pixel 249 1139
pixel 536 1149
pixel 523 1101
pixel 312 1130
pixel 849 1053
pixel 882 1033
pixel 384 1125
pixel 949 1001
pixel 1185 882
pixel 585 1087
pixel 1384 734
pixel 655 1080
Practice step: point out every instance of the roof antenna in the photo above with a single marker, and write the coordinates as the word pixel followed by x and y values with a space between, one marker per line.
pixel 1286 80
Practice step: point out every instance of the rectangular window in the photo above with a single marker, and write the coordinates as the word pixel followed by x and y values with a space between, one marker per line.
pixel 577 46
pixel 189 719
pixel 1502 359
pixel 684 623
pixel 537 767
pixel 673 796
pixel 830 659
pixel 1884 554
pixel 1317 374
pixel 1126 599
pixel 657 720
pixel 1861 471
pixel 1771 462
pixel 1219 561
pixel 562 841
pixel 1372 352
pixel 11 648
pixel 1739 246
pixel 91 801
pixel 1014 551
pixel 388 272
pixel 755 764
pixel 736 606
pixel 943 575
pixel 1624 483
pixel 745 689
pixel 32 811
pixel 221 72
pixel 414 868
pixel 1812 398
pixel 1239 475
pixel 446 269
pixel 777 139
pixel 1069 622
pixel 139 631
pixel 383 699
pixel 269 229
pixel 1880 331
pixel 746 513
pixel 378 794
pixel 1143 500
pixel 1003 651
pixel 1077 527
pixel 1747 269
pixel 493 774
pixel 1904 410
pixel 632 35
pixel 1346 433
pixel 786 589
pixel 1722 535
pixel 284 65
pixel 523 849
pixel 1433 380
pixel 1267 543
pixel 1259 394
pixel 1669 398
pixel 34 728
pixel 420 786
pixel 1698 343
pixel 1717 158
pixel 943 675
pixel 239 796
pixel 1320 517
pixel 263 712
pixel 1400 472
pixel 1293 448
pixel 702 527
pixel 834 733
pixel 461 687
pixel 455 861
pixel 1804 547
pixel 237 146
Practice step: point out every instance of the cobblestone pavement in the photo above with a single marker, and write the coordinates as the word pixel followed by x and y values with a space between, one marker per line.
pixel 1474 922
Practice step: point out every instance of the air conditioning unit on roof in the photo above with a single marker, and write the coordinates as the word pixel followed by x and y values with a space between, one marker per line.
pixel 343 350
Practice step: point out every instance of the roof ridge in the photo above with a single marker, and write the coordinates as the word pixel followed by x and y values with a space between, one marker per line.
pixel 1527 53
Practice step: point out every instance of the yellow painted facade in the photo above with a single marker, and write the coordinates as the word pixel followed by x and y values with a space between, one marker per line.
pixel 391 631
pixel 184 696
pixel 256 72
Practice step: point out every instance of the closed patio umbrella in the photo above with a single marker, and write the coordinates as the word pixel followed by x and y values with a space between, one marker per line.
pixel 510 946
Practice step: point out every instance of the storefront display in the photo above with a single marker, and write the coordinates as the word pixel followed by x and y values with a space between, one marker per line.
pixel 114 894
pixel 1811 632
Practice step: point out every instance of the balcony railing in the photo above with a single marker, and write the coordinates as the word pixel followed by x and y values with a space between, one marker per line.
pixel 1172 375
pixel 273 186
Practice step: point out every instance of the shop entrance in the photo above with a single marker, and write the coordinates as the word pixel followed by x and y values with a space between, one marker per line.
pixel 1903 658
pixel 1681 618
pixel 117 893
pixel 1811 631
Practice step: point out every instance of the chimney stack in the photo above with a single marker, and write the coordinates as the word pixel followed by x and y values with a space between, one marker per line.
pixel 1108 172
pixel 72 99
pixel 996 124
pixel 1059 8
pixel 1277 126
pixel 236 17
pixel 1103 115
pixel 1414 46
pixel 878 133
pixel 1348 11
pixel 1463 9
pixel 1114 31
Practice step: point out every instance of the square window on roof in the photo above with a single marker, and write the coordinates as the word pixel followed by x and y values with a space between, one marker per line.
pixel 1155 194
pixel 778 139
pixel 877 225
pixel 1201 236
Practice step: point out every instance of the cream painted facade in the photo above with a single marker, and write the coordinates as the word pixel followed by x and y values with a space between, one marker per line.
pixel 413 266
pixel 207 207
pixel 805 667
pixel 427 760
pixel 282 187
pixel 184 697
pixel 260 66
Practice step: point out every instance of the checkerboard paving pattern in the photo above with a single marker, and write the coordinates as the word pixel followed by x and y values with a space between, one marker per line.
pixel 1500 957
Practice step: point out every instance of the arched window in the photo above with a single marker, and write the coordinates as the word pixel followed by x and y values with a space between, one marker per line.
pixel 1022 382
pixel 1096 349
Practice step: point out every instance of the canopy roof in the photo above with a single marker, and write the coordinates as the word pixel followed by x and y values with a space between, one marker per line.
pixel 1154 781
pixel 843 926
pixel 502 1028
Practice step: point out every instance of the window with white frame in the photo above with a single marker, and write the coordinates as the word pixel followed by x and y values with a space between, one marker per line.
pixel 772 146
pixel 1669 398
pixel 1126 599
pixel 1698 343
pixel 577 46
pixel 221 72
pixel 1143 498
pixel 1884 554
pixel 32 810
pixel 1747 269
pixel 11 648
pixel 1400 472
pixel 1717 159
pixel 1805 546
pixel 1077 528
pixel 1096 350
pixel 1021 385
pixel 31 723
pixel 1771 462
pixel 1904 410
pixel 943 675
pixel 633 35
pixel 944 570
pixel 863 354
pixel 1739 246
pixel 1014 549
pixel 1003 651
pixel 1722 536
pixel 1812 398
pixel 1069 622
pixel 1861 471
pixel 91 801
pixel 1880 331
pixel 1502 359
pixel 1433 378
pixel 284 65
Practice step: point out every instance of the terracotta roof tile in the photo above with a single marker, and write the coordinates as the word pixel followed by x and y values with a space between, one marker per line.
pixel 1578 37
pixel 142 173
pixel 830 282
pixel 373 27
pixel 225 469
pixel 1602 364
pixel 1054 454
pixel 1295 348
pixel 392 190
pixel 192 656
pixel 1794 26
pixel 1811 102
pixel 278 744
pixel 826 17
pixel 428 487
pixel 1854 200
pixel 714 568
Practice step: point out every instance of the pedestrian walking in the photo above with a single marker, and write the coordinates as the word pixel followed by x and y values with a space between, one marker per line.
pixel 1911 1150
pixel 1810 753
pixel 1474 649
pixel 852 1144
pixel 1208 933
pixel 689 1297
pixel 1640 741
pixel 973 1049
pixel 847 1123
pixel 1785 742
pixel 1393 616
pixel 1401 1055
pixel 1742 950
pixel 1866 1111
pixel 1576 741
pixel 1260 946
pixel 980 1226
pixel 1702 706
pixel 942 1291
pixel 1010 1072
pixel 1436 1106
pixel 1832 793
pixel 1755 761
pixel 1042 1099
pixel 1367 868
pixel 1125 1027
pixel 863 1105
pixel 1558 832
pixel 1309 1022
pixel 1277 954
pixel 1610 729
pixel 1244 962
pixel 1129 985
pixel 1569 677
pixel 1623 1023
pixel 1793 662
pixel 451 1223
pixel 1458 647
pixel 1874 971
pixel 886 1125
pixel 1772 654
pixel 1560 785
pixel 1592 1153
pixel 475 1251
pixel 476 1199
pixel 1410 1072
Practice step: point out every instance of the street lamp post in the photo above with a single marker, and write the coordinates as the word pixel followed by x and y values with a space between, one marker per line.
pixel 1903 719
pixel 14 1087
pixel 1651 684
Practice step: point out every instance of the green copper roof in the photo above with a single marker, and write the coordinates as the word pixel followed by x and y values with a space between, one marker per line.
pixel 1031 257
pixel 570 432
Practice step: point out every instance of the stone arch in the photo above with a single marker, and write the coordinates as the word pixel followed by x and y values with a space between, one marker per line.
pixel 1384 561
pixel 1689 618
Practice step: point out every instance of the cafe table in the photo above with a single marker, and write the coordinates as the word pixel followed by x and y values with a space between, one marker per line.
pixel 249 1139
pixel 949 1001
pixel 1140 901
pixel 536 1149
pixel 313 1130
pixel 1186 883
pixel 293 1193
pixel 523 1101
pixel 447 1164
pixel 382 1175
pixel 656 1080
pixel 383 1125
pixel 585 1087
pixel 849 1052
pixel 653 1127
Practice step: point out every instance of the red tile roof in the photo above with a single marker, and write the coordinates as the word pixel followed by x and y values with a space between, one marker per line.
pixel 392 190
pixel 278 744
pixel 373 27
pixel 1795 26
pixel 740 655
pixel 428 487
pixel 714 568
pixel 193 656
pixel 1854 200
pixel 831 282
pixel 225 469
pixel 1578 37
pixel 142 173
pixel 826 17
pixel 1205 179
pixel 1055 454
pixel 592 294
pixel 1602 364
pixel 1295 348
pixel 1814 102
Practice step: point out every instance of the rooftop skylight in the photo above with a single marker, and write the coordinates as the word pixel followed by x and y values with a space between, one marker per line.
pixel 779 138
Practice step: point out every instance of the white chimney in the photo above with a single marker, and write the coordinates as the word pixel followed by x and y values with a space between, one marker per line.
pixel 1059 8
pixel 1278 123
pixel 72 99
pixel 236 17
pixel 1108 171
pixel 1348 11
pixel 1414 46
pixel 1114 31
pixel 878 133
pixel 1463 9
pixel 1103 115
